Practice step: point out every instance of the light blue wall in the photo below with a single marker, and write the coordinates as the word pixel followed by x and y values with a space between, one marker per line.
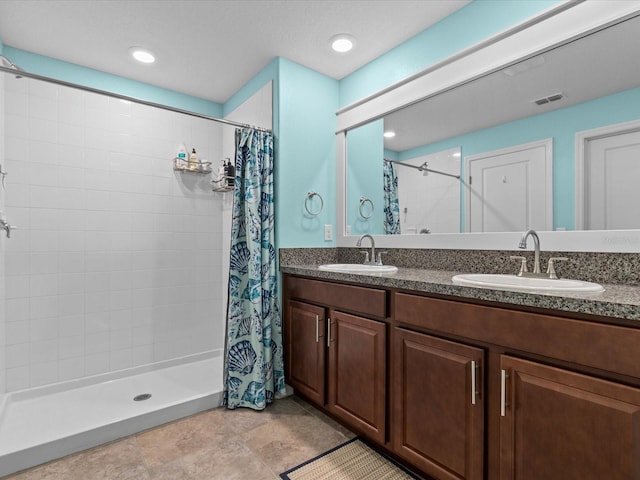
pixel 561 125
pixel 305 154
pixel 304 107
pixel 365 150
pixel 69 72
pixel 391 154
pixel 473 23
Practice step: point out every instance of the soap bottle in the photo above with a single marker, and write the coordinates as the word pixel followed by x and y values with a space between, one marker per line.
pixel 222 172
pixel 181 156
pixel 230 174
pixel 194 163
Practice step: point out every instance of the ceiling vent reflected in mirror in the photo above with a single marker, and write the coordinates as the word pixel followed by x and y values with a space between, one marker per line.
pixel 551 98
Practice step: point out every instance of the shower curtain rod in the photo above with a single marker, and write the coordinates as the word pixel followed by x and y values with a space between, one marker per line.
pixel 22 73
pixel 422 168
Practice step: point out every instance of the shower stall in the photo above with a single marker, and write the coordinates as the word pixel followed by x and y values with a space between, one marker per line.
pixel 113 281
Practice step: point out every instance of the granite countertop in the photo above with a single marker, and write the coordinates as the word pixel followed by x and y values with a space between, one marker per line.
pixel 617 301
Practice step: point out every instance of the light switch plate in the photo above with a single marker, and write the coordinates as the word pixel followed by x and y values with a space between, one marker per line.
pixel 328 232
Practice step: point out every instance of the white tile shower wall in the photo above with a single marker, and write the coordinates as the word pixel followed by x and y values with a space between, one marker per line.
pixel 429 201
pixel 117 262
pixel 3 262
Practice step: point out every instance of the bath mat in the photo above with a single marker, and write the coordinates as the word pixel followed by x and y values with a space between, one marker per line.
pixel 353 460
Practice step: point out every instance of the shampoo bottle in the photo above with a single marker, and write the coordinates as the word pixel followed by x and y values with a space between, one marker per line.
pixel 181 156
pixel 194 163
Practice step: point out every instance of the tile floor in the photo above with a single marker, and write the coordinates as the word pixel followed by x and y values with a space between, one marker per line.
pixel 216 444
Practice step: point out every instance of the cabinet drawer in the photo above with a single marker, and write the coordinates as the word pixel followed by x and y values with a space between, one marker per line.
pixel 365 300
pixel 606 347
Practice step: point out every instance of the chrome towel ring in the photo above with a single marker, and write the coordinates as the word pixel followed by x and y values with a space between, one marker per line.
pixel 363 210
pixel 307 203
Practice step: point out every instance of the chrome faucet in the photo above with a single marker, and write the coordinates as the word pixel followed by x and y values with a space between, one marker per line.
pixel 4 225
pixel 368 260
pixel 536 247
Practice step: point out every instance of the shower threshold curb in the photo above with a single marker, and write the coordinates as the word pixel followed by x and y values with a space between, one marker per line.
pixel 39 454
pixel 36 455
pixel 39 429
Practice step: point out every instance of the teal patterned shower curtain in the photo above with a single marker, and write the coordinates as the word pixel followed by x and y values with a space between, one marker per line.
pixel 391 205
pixel 254 371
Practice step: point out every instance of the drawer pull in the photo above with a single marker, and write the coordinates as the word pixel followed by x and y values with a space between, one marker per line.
pixel 503 392
pixel 474 392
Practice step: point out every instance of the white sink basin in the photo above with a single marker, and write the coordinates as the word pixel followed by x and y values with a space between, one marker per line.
pixel 357 268
pixel 527 284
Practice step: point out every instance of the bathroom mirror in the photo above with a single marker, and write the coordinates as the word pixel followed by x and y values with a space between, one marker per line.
pixel 581 88
pixel 587 84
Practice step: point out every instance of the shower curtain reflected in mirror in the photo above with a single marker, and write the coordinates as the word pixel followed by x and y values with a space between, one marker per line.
pixel 391 205
pixel 254 371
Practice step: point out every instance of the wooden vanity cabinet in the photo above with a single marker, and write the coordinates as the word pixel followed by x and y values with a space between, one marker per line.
pixel 357 373
pixel 336 358
pixel 306 355
pixel 544 421
pixel 438 423
pixel 559 424
pixel 476 391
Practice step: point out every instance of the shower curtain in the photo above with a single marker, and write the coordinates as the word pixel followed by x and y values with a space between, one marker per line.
pixel 391 205
pixel 254 371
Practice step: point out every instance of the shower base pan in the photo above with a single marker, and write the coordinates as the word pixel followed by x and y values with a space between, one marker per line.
pixel 45 423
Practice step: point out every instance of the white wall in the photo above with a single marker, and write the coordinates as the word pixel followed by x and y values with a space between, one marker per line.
pixel 430 201
pixel 117 260
pixel 2 248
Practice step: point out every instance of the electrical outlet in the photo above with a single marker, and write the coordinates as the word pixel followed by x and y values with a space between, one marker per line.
pixel 328 232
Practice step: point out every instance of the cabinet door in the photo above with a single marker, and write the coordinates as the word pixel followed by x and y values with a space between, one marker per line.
pixel 357 373
pixel 559 424
pixel 438 405
pixel 306 350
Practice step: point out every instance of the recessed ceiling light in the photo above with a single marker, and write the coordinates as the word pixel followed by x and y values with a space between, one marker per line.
pixel 142 55
pixel 342 43
pixel 389 134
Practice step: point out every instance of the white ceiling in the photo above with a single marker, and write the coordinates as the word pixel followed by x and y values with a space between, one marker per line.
pixel 211 48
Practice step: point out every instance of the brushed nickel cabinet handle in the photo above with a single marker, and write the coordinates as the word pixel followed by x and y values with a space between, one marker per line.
pixel 317 328
pixel 503 392
pixel 473 382
pixel 328 332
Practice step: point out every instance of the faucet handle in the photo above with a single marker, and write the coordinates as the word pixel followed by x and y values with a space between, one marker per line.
pixel 4 225
pixel 379 259
pixel 551 271
pixel 523 264
pixel 366 256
